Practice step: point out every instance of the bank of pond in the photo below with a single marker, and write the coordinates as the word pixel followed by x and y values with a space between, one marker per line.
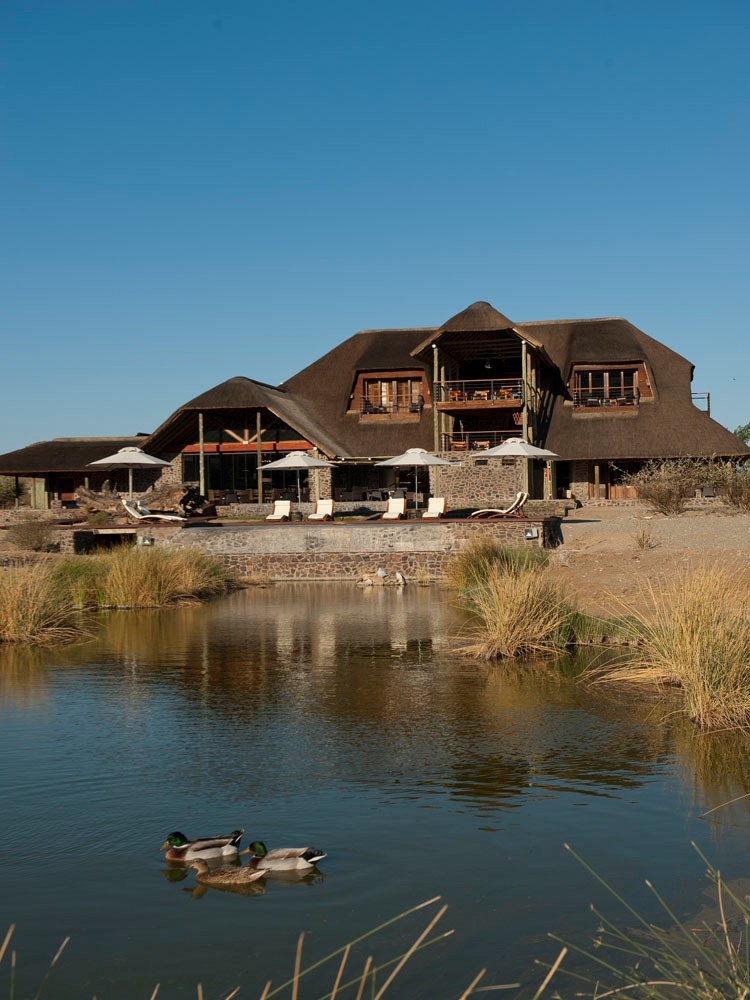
pixel 694 637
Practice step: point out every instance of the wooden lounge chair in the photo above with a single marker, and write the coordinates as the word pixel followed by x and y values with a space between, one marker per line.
pixel 515 508
pixel 396 509
pixel 435 509
pixel 138 512
pixel 323 511
pixel 281 511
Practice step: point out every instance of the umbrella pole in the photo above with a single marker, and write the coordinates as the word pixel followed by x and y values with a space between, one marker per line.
pixel 130 482
pixel 299 492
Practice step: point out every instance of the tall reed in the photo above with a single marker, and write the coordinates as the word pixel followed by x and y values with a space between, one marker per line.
pixel 473 564
pixel 516 612
pixel 351 968
pixel 31 607
pixel 706 958
pixel 696 635
pixel 133 577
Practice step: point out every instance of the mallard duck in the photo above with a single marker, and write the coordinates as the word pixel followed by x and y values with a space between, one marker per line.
pixel 179 848
pixel 224 876
pixel 282 859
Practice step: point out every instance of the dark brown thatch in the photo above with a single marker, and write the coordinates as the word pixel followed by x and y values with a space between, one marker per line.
pixel 667 426
pixel 325 389
pixel 473 333
pixel 62 455
pixel 236 401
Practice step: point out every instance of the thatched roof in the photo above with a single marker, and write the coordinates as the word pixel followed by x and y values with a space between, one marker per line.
pixel 473 333
pixel 324 389
pixel 237 398
pixel 669 426
pixel 62 455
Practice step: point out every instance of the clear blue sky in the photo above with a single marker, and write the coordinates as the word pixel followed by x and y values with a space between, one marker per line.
pixel 196 189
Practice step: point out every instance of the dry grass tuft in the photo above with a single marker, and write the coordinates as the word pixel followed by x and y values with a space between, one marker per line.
pixel 133 577
pixel 517 615
pixel 31 608
pixel 696 635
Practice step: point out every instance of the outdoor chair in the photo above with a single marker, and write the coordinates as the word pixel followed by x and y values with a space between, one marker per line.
pixel 138 512
pixel 515 508
pixel 396 509
pixel 435 509
pixel 323 511
pixel 281 511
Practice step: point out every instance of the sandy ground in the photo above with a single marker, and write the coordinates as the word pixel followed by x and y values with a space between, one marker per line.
pixel 602 562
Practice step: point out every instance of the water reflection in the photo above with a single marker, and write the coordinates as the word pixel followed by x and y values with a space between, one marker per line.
pixel 370 676
pixel 343 717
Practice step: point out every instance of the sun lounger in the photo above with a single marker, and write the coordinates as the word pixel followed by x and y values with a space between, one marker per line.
pixel 435 509
pixel 281 510
pixel 323 511
pixel 138 512
pixel 515 508
pixel 396 509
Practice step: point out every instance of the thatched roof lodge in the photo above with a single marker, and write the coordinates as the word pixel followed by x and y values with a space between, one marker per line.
pixel 600 393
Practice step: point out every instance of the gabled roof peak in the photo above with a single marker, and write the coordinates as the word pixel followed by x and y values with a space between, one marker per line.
pixel 478 316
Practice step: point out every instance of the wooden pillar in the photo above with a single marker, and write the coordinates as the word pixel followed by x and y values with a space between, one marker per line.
pixel 201 458
pixel 524 390
pixel 259 449
pixel 435 390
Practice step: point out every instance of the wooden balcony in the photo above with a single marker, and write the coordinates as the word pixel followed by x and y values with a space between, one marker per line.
pixel 479 394
pixel 464 441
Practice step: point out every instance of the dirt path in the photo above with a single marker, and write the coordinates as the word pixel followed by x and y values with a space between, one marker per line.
pixel 611 554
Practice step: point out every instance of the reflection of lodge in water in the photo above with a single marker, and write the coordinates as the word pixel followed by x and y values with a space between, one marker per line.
pixel 366 682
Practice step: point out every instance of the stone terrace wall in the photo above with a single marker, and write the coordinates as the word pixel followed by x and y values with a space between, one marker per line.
pixel 347 551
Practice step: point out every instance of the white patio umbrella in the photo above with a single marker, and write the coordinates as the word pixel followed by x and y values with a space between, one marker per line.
pixel 418 457
pixel 517 448
pixel 298 460
pixel 129 458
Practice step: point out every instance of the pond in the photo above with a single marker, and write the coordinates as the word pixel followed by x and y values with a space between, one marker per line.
pixel 341 718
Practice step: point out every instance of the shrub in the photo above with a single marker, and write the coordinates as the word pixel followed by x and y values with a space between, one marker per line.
pixel 9 492
pixel 34 534
pixel 667 485
pixel 732 484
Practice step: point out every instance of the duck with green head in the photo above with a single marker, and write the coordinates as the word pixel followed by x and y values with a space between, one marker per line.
pixel 282 859
pixel 179 848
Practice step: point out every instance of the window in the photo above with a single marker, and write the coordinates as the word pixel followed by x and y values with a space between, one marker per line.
pixel 392 395
pixel 605 386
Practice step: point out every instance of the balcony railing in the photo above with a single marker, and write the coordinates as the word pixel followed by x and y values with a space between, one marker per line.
pixel 480 390
pixel 366 406
pixel 475 440
pixel 702 400
pixel 605 397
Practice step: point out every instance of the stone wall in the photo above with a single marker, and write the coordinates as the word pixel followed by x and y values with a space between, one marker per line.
pixel 477 482
pixel 303 551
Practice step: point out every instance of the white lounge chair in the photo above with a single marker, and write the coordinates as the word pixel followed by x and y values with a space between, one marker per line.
pixel 396 509
pixel 435 509
pixel 515 508
pixel 136 510
pixel 323 511
pixel 281 511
